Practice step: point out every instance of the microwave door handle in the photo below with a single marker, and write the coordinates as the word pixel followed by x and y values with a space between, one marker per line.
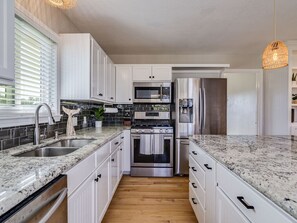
pixel 56 205
pixel 161 92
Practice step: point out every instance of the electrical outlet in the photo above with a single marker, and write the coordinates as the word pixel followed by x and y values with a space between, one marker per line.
pixel 74 121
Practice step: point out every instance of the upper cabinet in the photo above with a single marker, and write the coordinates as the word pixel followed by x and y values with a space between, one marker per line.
pixel 86 70
pixel 6 42
pixel 124 84
pixel 143 73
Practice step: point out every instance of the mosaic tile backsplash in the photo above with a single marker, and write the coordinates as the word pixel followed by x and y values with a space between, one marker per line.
pixel 19 135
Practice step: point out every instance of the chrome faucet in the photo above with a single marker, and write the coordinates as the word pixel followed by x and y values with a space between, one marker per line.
pixel 51 121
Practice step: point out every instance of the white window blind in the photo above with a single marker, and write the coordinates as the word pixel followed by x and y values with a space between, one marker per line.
pixel 35 71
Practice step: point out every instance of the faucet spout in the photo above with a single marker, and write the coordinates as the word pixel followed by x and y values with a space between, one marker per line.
pixel 51 121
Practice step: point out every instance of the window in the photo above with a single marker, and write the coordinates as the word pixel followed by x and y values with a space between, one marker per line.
pixel 35 72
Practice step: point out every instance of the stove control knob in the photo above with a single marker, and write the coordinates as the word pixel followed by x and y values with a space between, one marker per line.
pixel 161 130
pixel 152 130
pixel 166 130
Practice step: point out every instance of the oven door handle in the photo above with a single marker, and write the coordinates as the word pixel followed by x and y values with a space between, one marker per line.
pixel 56 205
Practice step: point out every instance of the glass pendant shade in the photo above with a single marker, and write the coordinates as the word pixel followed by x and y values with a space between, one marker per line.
pixel 275 56
pixel 62 4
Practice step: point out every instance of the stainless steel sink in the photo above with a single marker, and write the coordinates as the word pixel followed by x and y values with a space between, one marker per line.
pixel 59 148
pixel 78 143
pixel 48 152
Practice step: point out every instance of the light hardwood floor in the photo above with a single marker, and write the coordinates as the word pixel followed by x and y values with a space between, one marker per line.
pixel 151 200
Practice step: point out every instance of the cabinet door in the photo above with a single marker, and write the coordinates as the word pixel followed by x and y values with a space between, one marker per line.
pixel 81 204
pixel 102 75
pixel 160 73
pixel 124 85
pixel 6 42
pixel 226 212
pixel 95 64
pixel 110 81
pixel 142 73
pixel 102 190
pixel 114 171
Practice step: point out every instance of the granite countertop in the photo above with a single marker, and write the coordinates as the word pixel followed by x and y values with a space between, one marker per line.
pixel 22 176
pixel 267 163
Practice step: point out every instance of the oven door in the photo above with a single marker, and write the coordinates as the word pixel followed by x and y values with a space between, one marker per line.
pixel 152 92
pixel 151 150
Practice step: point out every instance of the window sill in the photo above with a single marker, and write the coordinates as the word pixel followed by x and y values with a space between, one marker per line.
pixel 10 121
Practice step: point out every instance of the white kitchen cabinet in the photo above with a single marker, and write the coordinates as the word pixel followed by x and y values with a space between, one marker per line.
pixel 84 69
pixel 102 190
pixel 147 73
pixel 7 42
pixel 124 85
pixel 203 182
pixel 127 152
pixel 161 73
pixel 226 212
pixel 110 81
pixel 114 163
pixel 81 204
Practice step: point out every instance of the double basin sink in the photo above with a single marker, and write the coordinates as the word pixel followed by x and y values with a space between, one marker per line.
pixel 60 148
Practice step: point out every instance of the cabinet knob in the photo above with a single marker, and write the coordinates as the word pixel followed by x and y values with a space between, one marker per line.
pixel 121 149
pixel 193 184
pixel 112 160
pixel 99 176
pixel 116 143
pixel 193 168
pixel 100 94
pixel 153 76
pixel 194 153
pixel 193 200
pixel 97 179
pixel 111 98
pixel 150 76
pixel 129 99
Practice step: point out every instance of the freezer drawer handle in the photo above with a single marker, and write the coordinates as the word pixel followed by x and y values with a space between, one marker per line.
pixel 194 153
pixel 207 167
pixel 193 200
pixel 193 184
pixel 55 206
pixel 241 199
pixel 193 168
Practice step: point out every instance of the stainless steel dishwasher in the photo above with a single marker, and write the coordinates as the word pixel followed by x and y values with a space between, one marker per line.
pixel 48 205
pixel 182 157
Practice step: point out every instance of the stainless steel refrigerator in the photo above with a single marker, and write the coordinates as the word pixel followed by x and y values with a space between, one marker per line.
pixel 200 108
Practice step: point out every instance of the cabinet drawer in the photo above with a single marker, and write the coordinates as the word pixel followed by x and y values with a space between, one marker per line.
pixel 102 153
pixel 197 171
pixel 80 172
pixel 242 195
pixel 198 209
pixel 195 185
pixel 197 153
pixel 115 143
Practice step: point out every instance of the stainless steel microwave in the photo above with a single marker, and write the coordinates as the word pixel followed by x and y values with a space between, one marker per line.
pixel 144 92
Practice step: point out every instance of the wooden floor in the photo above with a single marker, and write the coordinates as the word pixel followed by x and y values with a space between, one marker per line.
pixel 151 200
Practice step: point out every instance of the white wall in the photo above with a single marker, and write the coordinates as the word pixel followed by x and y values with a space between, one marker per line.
pixel 237 61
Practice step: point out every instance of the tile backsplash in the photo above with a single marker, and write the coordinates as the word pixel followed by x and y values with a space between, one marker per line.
pixel 19 135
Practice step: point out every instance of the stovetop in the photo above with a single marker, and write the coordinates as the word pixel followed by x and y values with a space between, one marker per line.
pixel 149 128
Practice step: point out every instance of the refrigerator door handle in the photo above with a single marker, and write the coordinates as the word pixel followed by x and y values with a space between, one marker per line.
pixel 204 107
pixel 200 109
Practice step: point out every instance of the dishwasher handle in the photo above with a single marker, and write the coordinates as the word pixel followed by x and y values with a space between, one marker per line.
pixel 56 205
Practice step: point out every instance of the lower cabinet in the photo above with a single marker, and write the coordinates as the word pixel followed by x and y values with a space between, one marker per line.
pixel 93 181
pixel 102 194
pixel 81 204
pixel 226 212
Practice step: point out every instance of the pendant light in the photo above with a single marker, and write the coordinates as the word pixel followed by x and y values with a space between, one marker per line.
pixel 276 53
pixel 62 4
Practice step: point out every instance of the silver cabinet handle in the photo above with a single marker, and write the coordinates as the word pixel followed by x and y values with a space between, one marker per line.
pixel 55 206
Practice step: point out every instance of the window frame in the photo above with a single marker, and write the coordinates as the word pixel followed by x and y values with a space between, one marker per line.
pixel 15 117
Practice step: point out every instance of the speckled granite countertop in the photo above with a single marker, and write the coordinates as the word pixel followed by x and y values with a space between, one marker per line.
pixel 267 163
pixel 22 176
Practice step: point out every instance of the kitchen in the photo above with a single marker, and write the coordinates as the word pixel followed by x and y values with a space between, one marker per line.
pixel 115 111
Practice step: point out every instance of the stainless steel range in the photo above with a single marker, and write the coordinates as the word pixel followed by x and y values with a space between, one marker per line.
pixel 152 146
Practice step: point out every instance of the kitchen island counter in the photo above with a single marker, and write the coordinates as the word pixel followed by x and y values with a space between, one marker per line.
pixel 267 163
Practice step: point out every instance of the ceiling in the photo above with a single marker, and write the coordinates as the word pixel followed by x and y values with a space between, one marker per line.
pixel 184 26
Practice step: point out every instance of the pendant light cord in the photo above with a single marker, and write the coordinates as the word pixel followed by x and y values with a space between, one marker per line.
pixel 274 18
